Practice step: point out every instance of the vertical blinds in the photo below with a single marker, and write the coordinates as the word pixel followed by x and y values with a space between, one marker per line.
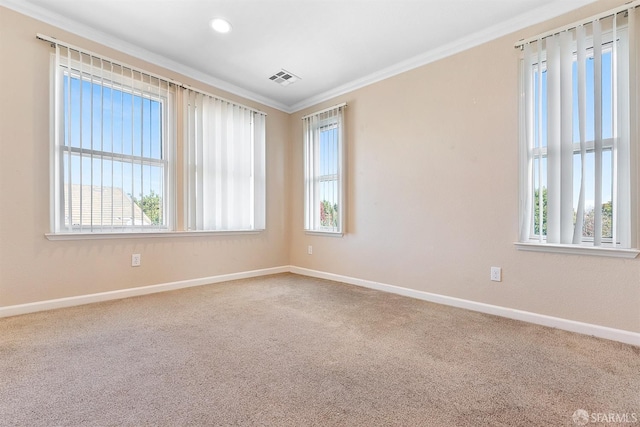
pixel 113 151
pixel 225 164
pixel 110 144
pixel 324 167
pixel 577 112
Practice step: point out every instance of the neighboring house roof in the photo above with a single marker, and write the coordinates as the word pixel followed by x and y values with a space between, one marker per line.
pixel 102 206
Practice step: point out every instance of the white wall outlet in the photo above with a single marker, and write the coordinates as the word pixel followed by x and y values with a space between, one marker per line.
pixel 310 250
pixel 496 274
pixel 136 259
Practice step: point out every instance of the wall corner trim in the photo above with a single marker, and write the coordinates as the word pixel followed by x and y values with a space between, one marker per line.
pixel 627 337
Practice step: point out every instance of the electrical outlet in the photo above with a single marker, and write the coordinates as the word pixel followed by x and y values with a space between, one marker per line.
pixel 136 260
pixel 310 250
pixel 496 274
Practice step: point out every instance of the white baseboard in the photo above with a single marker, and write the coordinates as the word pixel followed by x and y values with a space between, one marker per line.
pixel 620 335
pixel 15 310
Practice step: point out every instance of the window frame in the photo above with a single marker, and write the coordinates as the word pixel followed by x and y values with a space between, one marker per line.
pixel 202 126
pixel 70 68
pixel 312 179
pixel 175 92
pixel 528 156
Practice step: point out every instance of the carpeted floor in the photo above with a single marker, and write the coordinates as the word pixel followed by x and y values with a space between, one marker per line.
pixel 287 350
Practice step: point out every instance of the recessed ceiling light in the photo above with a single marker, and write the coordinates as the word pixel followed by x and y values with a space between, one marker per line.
pixel 220 25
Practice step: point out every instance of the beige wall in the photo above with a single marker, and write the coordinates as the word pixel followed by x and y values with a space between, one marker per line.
pixel 427 151
pixel 433 194
pixel 33 268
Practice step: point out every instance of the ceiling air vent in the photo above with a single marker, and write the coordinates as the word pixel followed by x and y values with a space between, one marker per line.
pixel 284 78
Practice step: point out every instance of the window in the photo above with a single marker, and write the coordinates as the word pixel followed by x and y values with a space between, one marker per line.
pixel 324 170
pixel 112 164
pixel 113 153
pixel 576 135
pixel 225 165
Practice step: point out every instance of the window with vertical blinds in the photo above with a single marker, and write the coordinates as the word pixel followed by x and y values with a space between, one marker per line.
pixel 112 160
pixel 577 135
pixel 224 164
pixel 113 153
pixel 324 171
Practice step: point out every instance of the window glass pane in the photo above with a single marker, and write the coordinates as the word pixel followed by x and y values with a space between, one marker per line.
pixel 589 191
pixel 540 140
pixel 328 179
pixel 577 178
pixel 607 190
pixel 329 203
pixel 607 111
pixel 103 126
pixel 111 120
pixel 137 120
pixel 589 103
pixel 590 207
pixel 127 123
pixel 72 112
pixel 323 171
pixel 115 196
pixel 116 128
pixel 329 151
pixel 540 186
pixel 607 95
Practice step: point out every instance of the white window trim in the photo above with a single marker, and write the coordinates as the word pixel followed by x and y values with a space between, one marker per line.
pixel 323 233
pixel 534 244
pixel 145 234
pixel 170 228
pixel 57 151
pixel 577 250
pixel 338 121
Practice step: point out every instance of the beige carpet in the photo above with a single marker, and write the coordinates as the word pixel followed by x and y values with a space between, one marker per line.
pixel 294 351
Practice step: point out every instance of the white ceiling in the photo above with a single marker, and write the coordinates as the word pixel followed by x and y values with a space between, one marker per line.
pixel 333 45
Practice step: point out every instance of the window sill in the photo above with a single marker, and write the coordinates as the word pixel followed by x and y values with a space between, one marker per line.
pixel 323 233
pixel 144 235
pixel 577 250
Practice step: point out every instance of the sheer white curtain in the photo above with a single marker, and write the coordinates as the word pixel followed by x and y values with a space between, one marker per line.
pixel 576 133
pixel 224 164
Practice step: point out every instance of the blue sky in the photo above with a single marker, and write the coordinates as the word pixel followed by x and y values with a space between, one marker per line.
pixel 113 121
pixel 329 164
pixel 590 131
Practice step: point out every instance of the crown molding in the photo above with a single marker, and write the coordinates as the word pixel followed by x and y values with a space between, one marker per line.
pixel 69 25
pixel 519 22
